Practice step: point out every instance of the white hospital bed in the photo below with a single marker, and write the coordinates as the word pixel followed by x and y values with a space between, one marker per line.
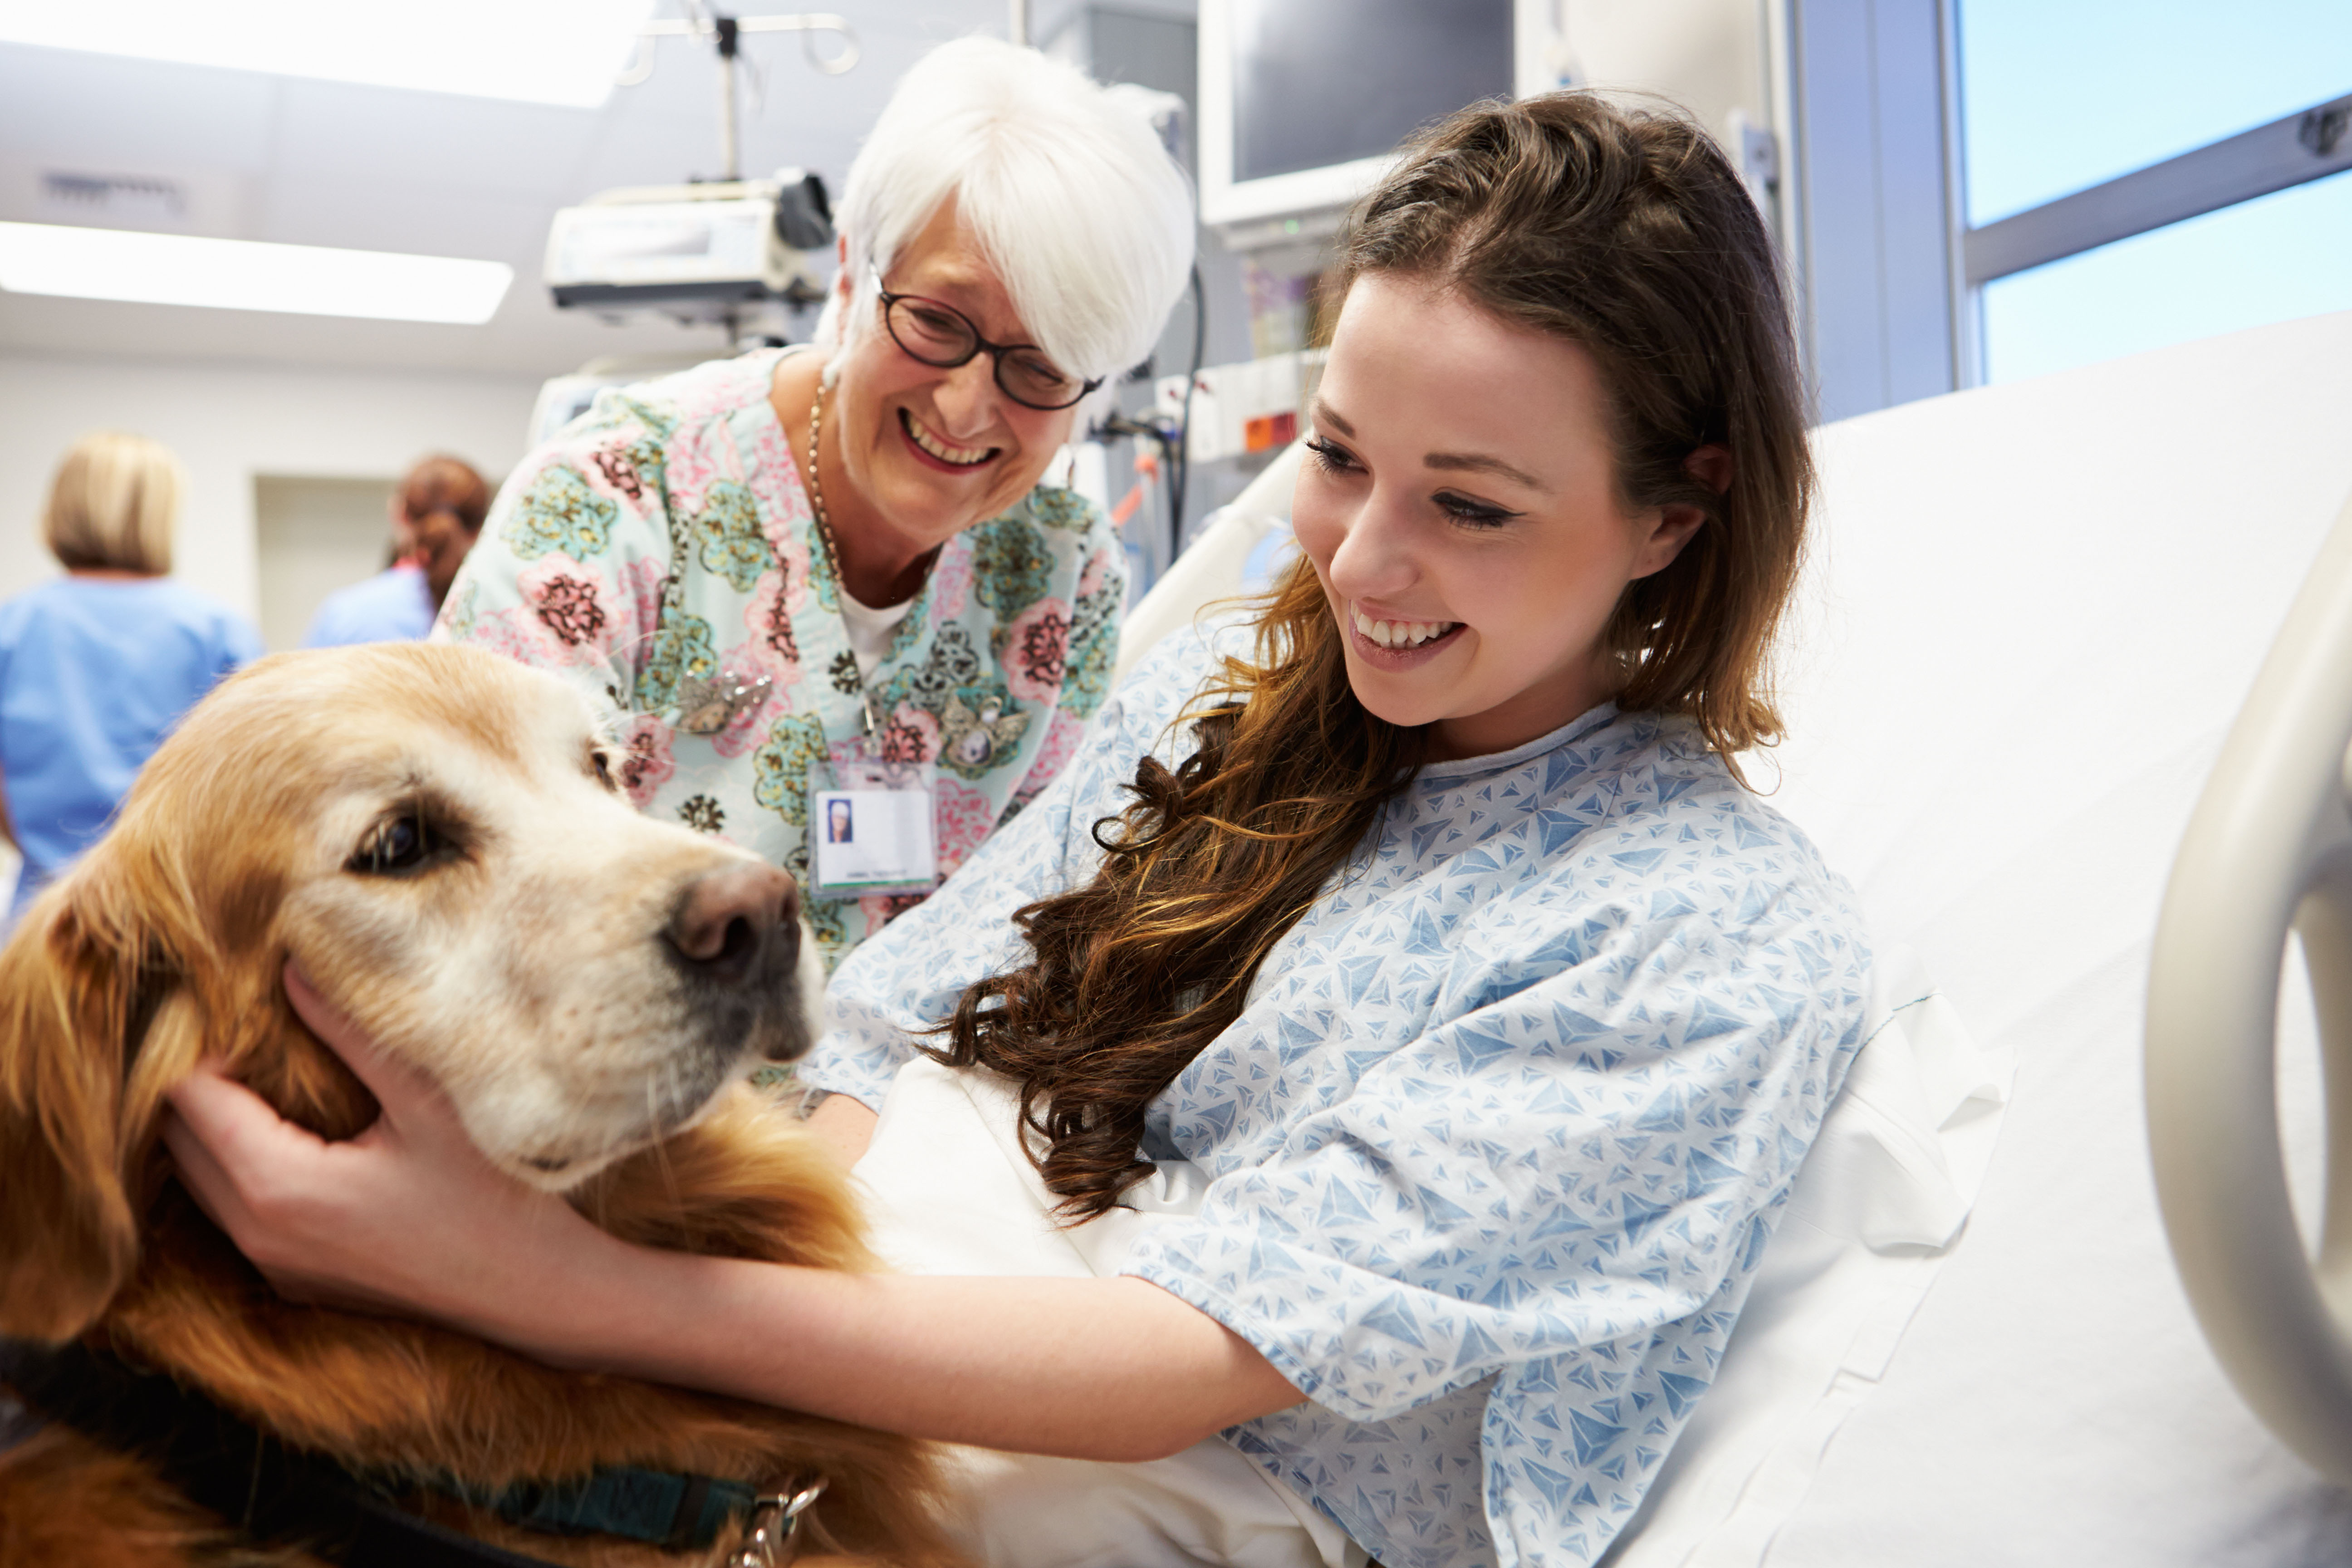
pixel 2031 613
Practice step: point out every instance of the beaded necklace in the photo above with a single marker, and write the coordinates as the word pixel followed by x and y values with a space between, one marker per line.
pixel 833 550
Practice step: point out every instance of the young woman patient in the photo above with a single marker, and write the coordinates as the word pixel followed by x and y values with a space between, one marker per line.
pixel 1426 913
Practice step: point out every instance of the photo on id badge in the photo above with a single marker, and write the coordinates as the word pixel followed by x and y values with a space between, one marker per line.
pixel 877 833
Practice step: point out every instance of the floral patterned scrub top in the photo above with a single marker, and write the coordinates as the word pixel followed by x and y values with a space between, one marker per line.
pixel 663 544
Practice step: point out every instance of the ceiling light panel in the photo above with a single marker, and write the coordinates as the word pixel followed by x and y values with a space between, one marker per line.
pixel 536 52
pixel 247 275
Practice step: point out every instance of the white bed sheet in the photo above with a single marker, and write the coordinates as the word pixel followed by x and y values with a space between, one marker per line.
pixel 2032 614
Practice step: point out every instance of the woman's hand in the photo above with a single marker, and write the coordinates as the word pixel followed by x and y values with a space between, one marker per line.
pixel 408 1216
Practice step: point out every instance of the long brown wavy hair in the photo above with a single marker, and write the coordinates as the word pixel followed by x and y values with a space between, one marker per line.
pixel 1623 230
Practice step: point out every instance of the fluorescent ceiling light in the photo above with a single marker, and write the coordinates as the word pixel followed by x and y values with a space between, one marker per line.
pixel 245 275
pixel 539 51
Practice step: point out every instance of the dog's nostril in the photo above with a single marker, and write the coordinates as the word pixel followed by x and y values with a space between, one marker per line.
pixel 722 919
pixel 738 943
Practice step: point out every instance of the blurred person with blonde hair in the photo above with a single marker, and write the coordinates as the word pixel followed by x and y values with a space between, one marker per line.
pixel 96 666
pixel 436 516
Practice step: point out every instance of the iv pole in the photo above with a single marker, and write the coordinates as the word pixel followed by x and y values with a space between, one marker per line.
pixel 702 21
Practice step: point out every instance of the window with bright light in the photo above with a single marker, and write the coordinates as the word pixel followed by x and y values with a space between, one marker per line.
pixel 2057 99
pixel 2275 258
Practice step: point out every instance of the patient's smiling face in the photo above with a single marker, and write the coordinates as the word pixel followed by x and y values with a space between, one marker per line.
pixel 1459 505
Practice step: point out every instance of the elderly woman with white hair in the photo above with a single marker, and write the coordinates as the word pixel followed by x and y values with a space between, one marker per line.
pixel 808 569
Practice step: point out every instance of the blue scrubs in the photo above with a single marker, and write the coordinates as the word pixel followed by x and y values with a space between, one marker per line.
pixel 394 606
pixel 93 673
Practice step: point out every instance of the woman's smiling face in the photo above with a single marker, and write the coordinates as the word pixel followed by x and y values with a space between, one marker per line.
pixel 935 451
pixel 1459 503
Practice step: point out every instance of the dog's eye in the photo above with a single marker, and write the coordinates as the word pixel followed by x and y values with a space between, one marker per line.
pixel 602 762
pixel 402 845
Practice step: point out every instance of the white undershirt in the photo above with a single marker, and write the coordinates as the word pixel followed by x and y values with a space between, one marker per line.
pixel 870 630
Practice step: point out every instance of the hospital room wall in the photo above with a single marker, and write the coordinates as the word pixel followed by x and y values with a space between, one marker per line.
pixel 229 424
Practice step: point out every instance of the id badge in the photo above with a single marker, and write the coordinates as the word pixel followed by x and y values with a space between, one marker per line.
pixel 872 833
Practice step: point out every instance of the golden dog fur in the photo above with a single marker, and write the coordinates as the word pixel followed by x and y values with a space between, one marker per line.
pixel 165 945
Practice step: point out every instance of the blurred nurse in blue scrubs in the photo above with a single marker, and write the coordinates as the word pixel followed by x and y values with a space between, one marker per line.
pixel 96 666
pixel 436 516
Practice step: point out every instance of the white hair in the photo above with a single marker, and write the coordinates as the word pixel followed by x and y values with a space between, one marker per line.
pixel 1073 200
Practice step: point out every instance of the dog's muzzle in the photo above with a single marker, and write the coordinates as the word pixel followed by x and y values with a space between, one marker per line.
pixel 734 938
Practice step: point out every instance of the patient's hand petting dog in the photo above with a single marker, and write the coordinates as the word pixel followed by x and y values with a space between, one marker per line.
pixel 433 837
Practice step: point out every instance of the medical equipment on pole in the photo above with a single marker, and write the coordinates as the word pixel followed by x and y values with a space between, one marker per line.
pixel 706 251
pixel 698 252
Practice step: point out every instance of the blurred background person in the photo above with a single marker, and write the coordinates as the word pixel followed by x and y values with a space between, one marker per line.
pixel 437 515
pixel 96 666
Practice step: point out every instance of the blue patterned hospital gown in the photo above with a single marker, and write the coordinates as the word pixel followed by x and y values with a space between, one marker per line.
pixel 1498 1138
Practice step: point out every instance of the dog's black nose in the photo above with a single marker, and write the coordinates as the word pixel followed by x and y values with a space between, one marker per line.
pixel 726 918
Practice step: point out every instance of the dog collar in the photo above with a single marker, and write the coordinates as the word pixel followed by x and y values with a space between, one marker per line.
pixel 659 1508
pixel 281 1494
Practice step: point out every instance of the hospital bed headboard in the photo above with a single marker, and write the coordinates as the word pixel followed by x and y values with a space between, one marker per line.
pixel 2268 851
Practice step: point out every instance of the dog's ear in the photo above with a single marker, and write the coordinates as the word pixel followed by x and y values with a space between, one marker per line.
pixel 76 990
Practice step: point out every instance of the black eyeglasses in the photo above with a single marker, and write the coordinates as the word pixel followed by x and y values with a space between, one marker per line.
pixel 944 337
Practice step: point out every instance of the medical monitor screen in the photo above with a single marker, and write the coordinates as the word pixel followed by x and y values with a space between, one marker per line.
pixel 1317 83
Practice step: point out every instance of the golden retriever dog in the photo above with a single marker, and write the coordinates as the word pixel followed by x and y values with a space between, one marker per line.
pixel 433 835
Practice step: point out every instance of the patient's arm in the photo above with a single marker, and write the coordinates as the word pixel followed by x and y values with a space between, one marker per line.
pixel 1096 1369
pixel 408 1216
